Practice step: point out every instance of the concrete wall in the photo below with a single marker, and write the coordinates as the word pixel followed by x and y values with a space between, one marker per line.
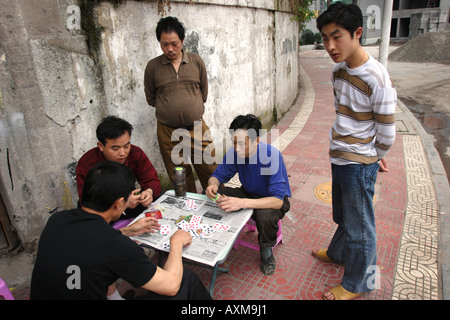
pixel 53 94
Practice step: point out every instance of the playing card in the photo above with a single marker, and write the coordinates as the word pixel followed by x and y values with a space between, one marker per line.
pixel 192 225
pixel 166 245
pixel 206 231
pixel 195 218
pixel 156 214
pixel 190 205
pixel 183 218
pixel 192 233
pixel 221 226
pixel 198 232
pixel 183 225
pixel 165 229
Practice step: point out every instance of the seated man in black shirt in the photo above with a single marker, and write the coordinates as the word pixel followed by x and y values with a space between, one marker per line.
pixel 80 255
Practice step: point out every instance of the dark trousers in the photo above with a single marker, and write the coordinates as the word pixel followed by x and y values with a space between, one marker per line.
pixel 191 289
pixel 266 219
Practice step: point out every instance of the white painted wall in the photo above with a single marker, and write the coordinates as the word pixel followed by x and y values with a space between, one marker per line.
pixel 53 95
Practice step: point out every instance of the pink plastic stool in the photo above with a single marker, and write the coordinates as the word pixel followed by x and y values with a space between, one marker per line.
pixel 119 224
pixel 251 227
pixel 4 291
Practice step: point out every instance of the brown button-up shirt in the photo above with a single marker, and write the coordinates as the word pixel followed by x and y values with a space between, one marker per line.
pixel 178 97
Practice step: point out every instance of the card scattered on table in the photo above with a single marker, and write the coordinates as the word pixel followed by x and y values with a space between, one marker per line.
pixel 165 229
pixel 193 224
pixel 190 205
pixel 221 226
pixel 183 224
pixel 195 219
pixel 206 231
pixel 166 245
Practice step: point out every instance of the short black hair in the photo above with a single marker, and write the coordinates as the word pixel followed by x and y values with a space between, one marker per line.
pixel 106 182
pixel 168 25
pixel 112 127
pixel 348 16
pixel 247 122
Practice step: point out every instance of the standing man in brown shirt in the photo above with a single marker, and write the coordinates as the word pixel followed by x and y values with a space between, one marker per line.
pixel 176 84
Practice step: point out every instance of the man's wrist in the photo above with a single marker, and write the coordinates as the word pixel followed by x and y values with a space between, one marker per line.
pixel 213 182
pixel 125 231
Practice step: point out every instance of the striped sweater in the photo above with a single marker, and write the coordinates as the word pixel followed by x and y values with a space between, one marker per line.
pixel 365 100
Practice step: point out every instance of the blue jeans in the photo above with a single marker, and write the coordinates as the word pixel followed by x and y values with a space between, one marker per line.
pixel 354 242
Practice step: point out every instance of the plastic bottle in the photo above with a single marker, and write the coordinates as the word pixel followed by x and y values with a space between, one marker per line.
pixel 179 181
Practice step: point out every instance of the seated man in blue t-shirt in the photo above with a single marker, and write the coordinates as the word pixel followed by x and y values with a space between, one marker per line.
pixel 265 186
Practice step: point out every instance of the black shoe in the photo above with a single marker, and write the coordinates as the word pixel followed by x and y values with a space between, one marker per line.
pixel 268 264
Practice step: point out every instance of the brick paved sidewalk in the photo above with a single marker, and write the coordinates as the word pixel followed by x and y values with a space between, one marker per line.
pixel 406 229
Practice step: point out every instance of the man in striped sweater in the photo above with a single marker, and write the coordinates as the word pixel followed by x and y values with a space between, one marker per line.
pixel 362 133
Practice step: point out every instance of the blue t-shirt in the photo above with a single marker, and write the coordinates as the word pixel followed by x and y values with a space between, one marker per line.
pixel 263 174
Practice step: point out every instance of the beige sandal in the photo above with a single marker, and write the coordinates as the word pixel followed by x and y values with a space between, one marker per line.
pixel 340 293
pixel 322 255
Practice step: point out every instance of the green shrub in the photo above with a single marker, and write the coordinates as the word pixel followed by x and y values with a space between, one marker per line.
pixel 309 37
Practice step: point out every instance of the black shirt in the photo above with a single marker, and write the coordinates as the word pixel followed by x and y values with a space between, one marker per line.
pixel 80 255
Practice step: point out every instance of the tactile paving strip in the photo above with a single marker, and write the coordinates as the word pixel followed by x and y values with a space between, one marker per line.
pixel 416 276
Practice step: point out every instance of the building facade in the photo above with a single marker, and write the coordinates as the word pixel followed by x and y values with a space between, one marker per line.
pixel 410 18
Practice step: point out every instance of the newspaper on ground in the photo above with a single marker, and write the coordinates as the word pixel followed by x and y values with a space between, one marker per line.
pixel 213 230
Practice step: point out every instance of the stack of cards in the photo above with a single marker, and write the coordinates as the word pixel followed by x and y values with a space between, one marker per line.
pixel 205 231
pixel 188 222
pixel 202 231
pixel 193 224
